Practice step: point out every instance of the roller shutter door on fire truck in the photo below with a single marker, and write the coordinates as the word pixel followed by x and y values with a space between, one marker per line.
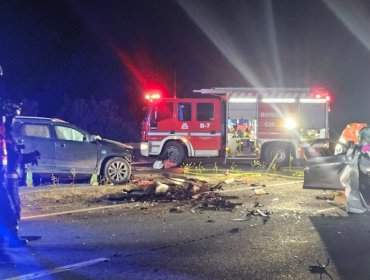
pixel 271 119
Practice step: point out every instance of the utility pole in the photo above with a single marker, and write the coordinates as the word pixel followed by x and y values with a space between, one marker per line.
pixel 175 85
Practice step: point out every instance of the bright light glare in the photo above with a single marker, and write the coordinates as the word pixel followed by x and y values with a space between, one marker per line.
pixel 278 100
pixel 290 123
pixel 152 96
pixel 242 100
pixel 354 15
pixel 218 34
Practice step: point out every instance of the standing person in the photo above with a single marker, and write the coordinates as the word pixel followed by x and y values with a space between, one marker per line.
pixel 14 161
pixel 8 219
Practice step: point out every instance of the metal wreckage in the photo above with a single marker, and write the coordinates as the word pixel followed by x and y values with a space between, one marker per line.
pixel 12 164
pixel 348 169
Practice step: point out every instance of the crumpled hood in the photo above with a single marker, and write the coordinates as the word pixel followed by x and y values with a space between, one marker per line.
pixel 116 143
pixel 115 147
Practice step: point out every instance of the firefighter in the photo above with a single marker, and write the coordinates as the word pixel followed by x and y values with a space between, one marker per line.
pixel 11 160
pixel 247 135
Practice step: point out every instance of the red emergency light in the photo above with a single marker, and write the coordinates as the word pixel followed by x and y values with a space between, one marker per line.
pixel 152 95
pixel 321 93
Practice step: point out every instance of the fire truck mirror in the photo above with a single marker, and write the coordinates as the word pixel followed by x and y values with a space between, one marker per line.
pixel 153 123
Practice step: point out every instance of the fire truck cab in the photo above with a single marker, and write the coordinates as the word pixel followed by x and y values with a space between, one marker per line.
pixel 269 124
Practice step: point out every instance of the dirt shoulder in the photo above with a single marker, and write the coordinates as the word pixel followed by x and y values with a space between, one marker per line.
pixel 212 190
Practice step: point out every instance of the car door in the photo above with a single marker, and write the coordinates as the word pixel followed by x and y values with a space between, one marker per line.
pixel 324 172
pixel 74 151
pixel 37 136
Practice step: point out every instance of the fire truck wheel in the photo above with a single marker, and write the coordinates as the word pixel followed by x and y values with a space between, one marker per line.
pixel 174 152
pixel 117 170
pixel 280 150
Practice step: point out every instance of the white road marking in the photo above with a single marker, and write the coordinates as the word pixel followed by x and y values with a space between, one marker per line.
pixel 71 211
pixel 60 269
pixel 326 209
pixel 252 188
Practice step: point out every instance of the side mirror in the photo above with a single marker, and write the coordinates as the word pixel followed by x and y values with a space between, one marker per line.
pixel 93 138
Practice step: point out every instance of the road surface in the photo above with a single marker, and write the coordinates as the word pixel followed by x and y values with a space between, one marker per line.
pixel 148 240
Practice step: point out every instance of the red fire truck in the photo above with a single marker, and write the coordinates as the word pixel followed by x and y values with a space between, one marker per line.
pixel 269 124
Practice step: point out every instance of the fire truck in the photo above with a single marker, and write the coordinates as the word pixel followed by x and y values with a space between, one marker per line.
pixel 268 124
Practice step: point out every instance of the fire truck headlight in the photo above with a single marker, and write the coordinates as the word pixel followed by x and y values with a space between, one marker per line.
pixel 144 146
pixel 290 123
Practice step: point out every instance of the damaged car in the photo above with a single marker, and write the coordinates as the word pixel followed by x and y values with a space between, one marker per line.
pixel 66 149
pixel 348 170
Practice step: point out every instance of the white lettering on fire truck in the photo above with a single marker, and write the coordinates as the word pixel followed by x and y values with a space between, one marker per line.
pixel 269 115
pixel 184 126
pixel 269 124
pixel 204 125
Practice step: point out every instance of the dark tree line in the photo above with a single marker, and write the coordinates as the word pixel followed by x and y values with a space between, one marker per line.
pixel 107 117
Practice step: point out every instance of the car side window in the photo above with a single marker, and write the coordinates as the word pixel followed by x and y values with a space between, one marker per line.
pixel 68 133
pixel 35 130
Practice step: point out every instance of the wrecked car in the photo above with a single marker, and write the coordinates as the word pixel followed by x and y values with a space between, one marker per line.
pixel 347 170
pixel 67 149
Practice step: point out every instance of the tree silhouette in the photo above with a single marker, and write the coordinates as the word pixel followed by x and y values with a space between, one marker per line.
pixel 101 117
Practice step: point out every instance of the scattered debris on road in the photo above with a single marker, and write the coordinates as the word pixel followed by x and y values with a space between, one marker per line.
pixel 320 269
pixel 196 193
pixel 325 197
pixel 260 191
pixel 255 212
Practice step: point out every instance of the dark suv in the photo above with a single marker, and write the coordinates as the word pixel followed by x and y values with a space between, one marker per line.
pixel 66 149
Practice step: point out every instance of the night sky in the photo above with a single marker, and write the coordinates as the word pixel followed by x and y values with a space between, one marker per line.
pixel 118 49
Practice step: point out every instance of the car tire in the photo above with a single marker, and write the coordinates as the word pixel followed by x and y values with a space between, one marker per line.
pixel 174 152
pixel 117 171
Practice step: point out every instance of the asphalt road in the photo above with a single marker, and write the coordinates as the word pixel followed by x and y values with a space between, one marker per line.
pixel 149 241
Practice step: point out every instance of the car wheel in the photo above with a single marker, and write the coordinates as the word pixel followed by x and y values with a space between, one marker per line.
pixel 174 152
pixel 117 170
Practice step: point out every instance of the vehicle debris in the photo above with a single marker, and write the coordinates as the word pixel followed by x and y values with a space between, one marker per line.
pixel 176 210
pixel 255 212
pixel 324 197
pixel 260 191
pixel 320 269
pixel 234 230
pixel 161 188
pixel 229 181
pixel 196 193
pixel 258 212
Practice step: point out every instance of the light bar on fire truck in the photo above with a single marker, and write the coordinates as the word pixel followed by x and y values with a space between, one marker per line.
pixel 270 95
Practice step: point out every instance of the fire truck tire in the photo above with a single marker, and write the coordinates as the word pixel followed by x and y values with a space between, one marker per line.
pixel 174 152
pixel 117 170
pixel 283 151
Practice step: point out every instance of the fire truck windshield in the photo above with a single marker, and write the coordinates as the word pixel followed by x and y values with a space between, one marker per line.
pixel 158 112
